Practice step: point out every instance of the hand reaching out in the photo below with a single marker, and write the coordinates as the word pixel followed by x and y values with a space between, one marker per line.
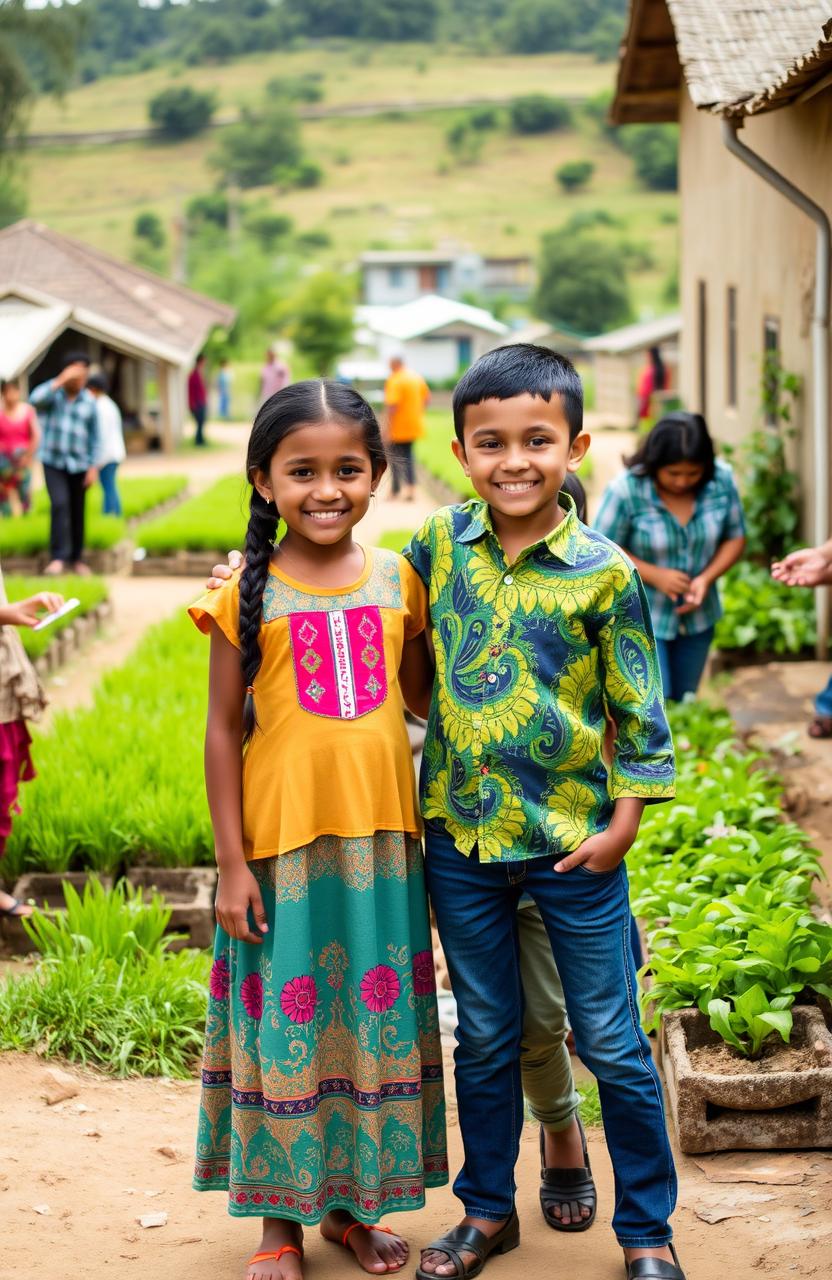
pixel 28 613
pixel 222 572
pixel 810 567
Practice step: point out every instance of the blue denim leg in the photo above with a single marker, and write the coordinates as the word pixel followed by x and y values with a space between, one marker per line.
pixel 682 662
pixel 112 501
pixel 476 910
pixel 823 702
pixel 588 920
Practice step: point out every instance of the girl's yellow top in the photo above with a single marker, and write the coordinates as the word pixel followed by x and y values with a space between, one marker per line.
pixel 331 755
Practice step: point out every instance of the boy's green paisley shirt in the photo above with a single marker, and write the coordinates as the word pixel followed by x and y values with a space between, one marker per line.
pixel 528 655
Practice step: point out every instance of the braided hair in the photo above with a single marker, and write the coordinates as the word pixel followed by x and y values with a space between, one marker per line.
pixel 312 401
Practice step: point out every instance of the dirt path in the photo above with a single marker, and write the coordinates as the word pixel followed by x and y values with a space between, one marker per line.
pixel 94 1161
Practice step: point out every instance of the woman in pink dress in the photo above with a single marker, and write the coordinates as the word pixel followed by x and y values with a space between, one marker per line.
pixel 19 440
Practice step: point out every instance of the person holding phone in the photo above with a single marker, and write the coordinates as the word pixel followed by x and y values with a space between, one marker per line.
pixel 21 699
pixel 677 514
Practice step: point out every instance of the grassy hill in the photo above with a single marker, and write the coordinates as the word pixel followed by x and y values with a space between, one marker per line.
pixel 389 179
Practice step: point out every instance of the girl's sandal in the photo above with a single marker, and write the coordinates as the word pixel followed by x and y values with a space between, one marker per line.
pixel 275 1254
pixel 365 1226
pixel 821 727
pixel 574 1188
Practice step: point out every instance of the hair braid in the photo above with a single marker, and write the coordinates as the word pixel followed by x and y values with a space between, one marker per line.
pixel 262 527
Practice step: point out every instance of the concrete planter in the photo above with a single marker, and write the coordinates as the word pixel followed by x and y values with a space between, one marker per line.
pixel 189 892
pixel 45 890
pixel 111 560
pixel 752 1110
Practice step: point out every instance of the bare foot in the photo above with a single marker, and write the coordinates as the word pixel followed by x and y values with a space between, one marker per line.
pixel 277 1233
pixel 564 1150
pixel 54 568
pixel 437 1262
pixel 378 1251
pixel 81 570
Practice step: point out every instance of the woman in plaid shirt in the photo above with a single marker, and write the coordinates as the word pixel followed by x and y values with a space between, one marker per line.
pixel 677 514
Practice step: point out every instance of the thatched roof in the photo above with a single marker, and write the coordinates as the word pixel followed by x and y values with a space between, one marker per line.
pixel 737 57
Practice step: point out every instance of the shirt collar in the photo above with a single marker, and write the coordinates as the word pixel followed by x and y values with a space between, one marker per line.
pixel 562 542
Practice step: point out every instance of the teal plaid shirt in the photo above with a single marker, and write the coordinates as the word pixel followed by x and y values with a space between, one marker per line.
pixel 633 515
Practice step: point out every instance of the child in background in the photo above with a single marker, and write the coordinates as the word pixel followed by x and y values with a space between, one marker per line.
pixel 21 699
pixel 224 383
pixel 322 1084
pixel 19 440
pixel 539 626
pixel 111 450
pixel 677 514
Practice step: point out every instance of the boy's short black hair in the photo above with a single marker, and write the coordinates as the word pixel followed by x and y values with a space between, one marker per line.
pixel 517 370
pixel 74 357
pixel 98 382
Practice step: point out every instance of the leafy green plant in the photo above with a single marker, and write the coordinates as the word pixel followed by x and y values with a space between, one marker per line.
pixel 107 924
pixel 764 615
pixel 215 520
pixel 751 1020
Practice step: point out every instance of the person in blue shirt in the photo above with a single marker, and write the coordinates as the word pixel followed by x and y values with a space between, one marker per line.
pixel 677 514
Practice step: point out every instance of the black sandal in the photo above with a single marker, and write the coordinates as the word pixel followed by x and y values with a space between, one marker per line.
pixel 572 1187
pixel 655 1268
pixel 472 1240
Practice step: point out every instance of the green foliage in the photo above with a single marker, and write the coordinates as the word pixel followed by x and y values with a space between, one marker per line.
pixel 29 535
pixel 269 229
pixel 90 591
pixel 305 88
pixel 575 174
pixel 215 520
pixel 263 148
pixel 365 19
pixel 764 615
pixel 395 539
pixel 464 142
pixel 582 282
pixel 181 111
pixel 538 113
pixel 724 885
pixel 143 735
pixel 148 226
pixel 106 991
pixel 590 1104
pixel 321 319
pixel 655 152
pixel 544 26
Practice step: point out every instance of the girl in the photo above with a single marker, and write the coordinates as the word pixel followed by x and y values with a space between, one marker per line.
pixel 652 381
pixel 677 514
pixel 19 440
pixel 322 1083
pixel 21 699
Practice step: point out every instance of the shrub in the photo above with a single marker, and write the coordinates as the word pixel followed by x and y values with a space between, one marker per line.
pixel 582 282
pixel 148 226
pixel 537 113
pixel 575 174
pixel 181 111
pixel 268 228
pixel 261 148
pixel 764 615
pixel 655 152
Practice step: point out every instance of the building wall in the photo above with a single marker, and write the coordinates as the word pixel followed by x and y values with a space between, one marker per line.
pixel 439 358
pixel 737 231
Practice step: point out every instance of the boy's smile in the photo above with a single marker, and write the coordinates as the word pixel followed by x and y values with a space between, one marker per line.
pixel 517 453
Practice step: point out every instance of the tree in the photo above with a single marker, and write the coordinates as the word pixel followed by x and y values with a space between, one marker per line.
pixel 181 111
pixel 537 113
pixel 575 174
pixel 321 316
pixel 582 282
pixel 261 148
pixel 655 152
pixel 147 225
pixel 539 26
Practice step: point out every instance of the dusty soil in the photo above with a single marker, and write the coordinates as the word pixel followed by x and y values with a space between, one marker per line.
pixel 74 1179
pixel 776 1057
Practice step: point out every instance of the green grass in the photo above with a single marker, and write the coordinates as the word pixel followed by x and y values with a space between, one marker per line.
pixel 106 991
pixel 351 73
pixel 139 494
pixel 90 591
pixel 29 535
pixel 216 520
pixel 395 539
pixel 122 780
pixel 388 182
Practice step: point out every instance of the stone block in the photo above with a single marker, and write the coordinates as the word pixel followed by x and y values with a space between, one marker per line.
pixel 45 890
pixel 189 892
pixel 752 1109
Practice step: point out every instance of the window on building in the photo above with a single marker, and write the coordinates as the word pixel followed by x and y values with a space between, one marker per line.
pixel 702 342
pixel 731 349
pixel 771 368
pixel 395 276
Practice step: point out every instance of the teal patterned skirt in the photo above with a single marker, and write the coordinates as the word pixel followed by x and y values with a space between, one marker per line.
pixel 322 1073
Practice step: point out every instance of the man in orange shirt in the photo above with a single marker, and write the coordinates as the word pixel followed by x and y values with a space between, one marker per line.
pixel 405 395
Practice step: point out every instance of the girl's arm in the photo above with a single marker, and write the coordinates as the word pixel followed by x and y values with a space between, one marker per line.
pixel 238 890
pixel 416 674
pixel 34 435
pixel 727 554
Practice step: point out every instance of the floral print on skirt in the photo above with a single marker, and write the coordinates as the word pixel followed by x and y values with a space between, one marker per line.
pixel 322 1074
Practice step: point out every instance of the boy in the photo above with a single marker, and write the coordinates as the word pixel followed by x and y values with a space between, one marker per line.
pixel 537 624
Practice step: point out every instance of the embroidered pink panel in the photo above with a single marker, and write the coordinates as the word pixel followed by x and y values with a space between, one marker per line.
pixel 338 656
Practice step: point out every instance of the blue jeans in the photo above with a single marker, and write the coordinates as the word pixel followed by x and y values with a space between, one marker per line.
pixel 682 662
pixel 107 476
pixel 587 917
pixel 823 702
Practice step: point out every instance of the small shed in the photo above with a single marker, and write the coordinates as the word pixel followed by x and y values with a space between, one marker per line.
pixel 618 356
pixel 437 336
pixel 58 295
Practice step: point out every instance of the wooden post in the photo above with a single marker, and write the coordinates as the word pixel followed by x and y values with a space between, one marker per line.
pixel 166 406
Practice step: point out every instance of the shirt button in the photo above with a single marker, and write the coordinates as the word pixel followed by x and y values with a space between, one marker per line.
pixel 508 579
pixel 491 678
pixel 484 769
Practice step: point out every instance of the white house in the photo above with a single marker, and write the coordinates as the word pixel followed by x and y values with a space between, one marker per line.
pixel 436 336
pixel 390 277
